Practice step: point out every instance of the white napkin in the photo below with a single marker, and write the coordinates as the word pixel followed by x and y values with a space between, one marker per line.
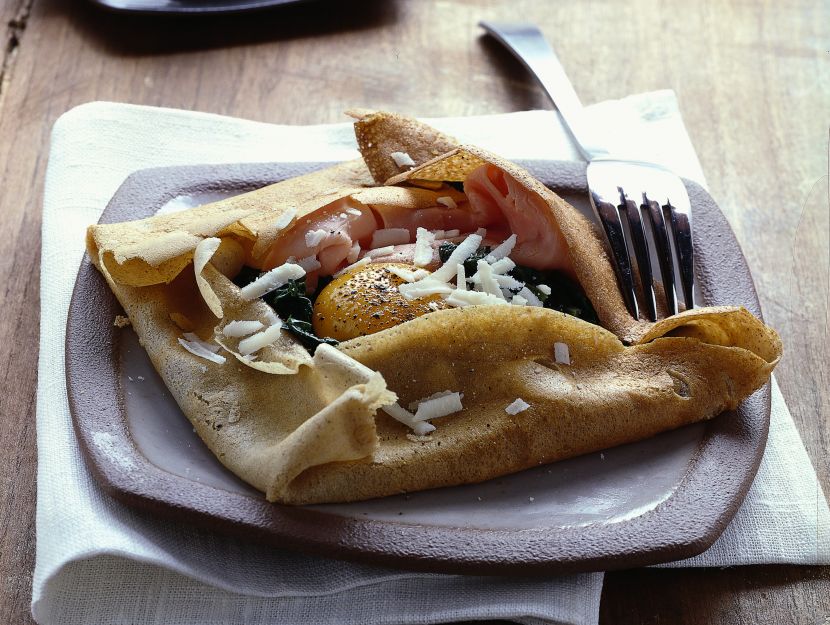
pixel 101 562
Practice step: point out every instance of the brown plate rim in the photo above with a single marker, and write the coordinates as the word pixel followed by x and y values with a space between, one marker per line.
pixel 686 524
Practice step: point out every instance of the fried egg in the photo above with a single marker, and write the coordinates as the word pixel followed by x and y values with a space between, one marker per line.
pixel 366 300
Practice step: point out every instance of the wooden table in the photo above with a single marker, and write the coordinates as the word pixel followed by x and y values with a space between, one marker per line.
pixel 753 83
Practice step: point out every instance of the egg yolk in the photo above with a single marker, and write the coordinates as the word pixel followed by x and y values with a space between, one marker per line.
pixel 366 300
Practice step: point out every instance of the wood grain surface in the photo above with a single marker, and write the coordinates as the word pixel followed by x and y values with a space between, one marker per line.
pixel 753 81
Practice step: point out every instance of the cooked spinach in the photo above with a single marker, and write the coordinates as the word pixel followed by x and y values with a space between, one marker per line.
pixel 470 265
pixel 293 304
pixel 290 300
pixel 305 334
pixel 566 295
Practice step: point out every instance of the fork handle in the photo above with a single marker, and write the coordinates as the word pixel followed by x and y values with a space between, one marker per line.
pixel 528 44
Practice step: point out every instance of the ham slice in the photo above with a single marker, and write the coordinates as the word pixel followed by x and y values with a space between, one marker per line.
pixel 345 221
pixel 496 197
pixel 495 201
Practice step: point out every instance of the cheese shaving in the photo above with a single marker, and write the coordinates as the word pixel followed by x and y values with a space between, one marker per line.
pixel 519 405
pixel 544 288
pixel 272 280
pixel 402 159
pixel 460 299
pixel 363 261
pixel 408 419
pixel 462 252
pixel 202 350
pixel 286 218
pixel 488 282
pixel 313 238
pixel 502 250
pixel 413 405
pixel 502 266
pixel 437 407
pixel 423 247
pixel 193 338
pixel 201 257
pixel 240 328
pixel 354 211
pixel 260 339
pixel 518 300
pixel 406 275
pixel 561 353
pixel 447 201
pixel 381 251
pixel 389 236
pixel 460 278
pixel 424 288
pixel 530 296
pixel 508 282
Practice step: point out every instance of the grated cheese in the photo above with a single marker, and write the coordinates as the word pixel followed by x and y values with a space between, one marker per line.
pixel 406 275
pixel 519 405
pixel 354 211
pixel 424 288
pixel 423 247
pixel 447 201
pixel 461 298
pixel 544 288
pixel 530 296
pixel 460 278
pixel 259 340
pixel 462 252
pixel 286 218
pixel 381 251
pixel 502 266
pixel 488 282
pixel 561 353
pixel 407 418
pixel 508 282
pixel 402 159
pixel 272 280
pixel 201 349
pixel 436 407
pixel 518 300
pixel 363 261
pixel 502 250
pixel 313 238
pixel 239 328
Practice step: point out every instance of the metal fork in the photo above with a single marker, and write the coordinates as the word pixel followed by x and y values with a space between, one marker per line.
pixel 624 194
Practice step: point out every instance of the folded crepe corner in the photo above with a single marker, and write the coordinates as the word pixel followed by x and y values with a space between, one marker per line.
pixel 308 429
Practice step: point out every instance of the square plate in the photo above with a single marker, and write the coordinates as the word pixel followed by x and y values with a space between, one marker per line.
pixel 665 498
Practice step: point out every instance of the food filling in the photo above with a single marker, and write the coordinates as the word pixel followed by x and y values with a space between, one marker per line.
pixel 371 261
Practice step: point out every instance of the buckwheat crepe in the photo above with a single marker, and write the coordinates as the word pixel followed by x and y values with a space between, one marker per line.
pixel 311 429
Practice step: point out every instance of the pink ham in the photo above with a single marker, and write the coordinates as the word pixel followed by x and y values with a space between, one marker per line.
pixel 344 224
pixel 496 201
pixel 496 197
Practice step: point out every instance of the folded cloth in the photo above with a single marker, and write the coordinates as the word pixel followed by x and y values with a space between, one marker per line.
pixel 98 561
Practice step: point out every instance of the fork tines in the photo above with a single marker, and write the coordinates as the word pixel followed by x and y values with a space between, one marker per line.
pixel 669 230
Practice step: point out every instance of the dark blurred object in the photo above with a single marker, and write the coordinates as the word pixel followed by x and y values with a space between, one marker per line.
pixel 191 6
